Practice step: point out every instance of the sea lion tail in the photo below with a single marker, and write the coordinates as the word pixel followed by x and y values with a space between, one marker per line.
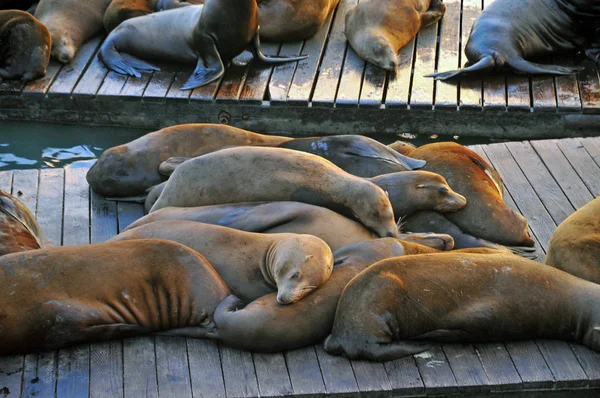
pixel 272 59
pixel 484 64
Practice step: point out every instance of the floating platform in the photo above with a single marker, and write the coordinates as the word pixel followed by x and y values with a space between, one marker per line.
pixel 331 92
pixel 546 181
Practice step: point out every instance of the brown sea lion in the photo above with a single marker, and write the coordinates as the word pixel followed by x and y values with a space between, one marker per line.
pixel 130 169
pixel 402 147
pixel 485 216
pixel 378 29
pixel 71 23
pixel 209 35
pixel 122 10
pixel 52 298
pixel 266 326
pixel 575 245
pixel 255 174
pixel 404 305
pixel 251 264
pixel 19 231
pixel 25 46
pixel 287 217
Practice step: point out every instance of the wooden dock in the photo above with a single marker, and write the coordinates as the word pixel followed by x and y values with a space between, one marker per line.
pixel 544 180
pixel 333 91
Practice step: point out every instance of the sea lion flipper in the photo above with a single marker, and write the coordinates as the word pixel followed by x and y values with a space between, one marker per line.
pixel 257 219
pixel 209 68
pixel 436 11
pixel 271 59
pixel 484 64
pixel 138 64
pixel 195 332
pixel 522 66
pixel 167 167
pixel 593 54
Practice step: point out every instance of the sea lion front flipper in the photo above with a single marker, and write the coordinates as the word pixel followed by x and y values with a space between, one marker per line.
pixel 167 167
pixel 484 64
pixel 271 59
pixel 448 335
pixel 210 65
pixel 436 11
pixel 525 67
pixel 195 332
pixel 117 331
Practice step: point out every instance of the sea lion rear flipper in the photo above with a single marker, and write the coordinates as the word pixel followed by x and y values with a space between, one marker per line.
pixel 271 59
pixel 445 335
pixel 256 219
pixel 525 67
pixel 484 64
pixel 138 64
pixel 436 11
pixel 195 332
pixel 209 67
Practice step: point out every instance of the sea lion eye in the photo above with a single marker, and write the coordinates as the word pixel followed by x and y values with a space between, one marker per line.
pixel 444 190
pixel 295 276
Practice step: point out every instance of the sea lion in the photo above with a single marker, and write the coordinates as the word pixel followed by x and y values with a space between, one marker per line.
pixel 402 147
pixel 26 43
pixel 287 217
pixel 378 29
pixel 55 297
pixel 251 264
pixel 130 169
pixel 19 230
pixel 255 174
pixel 266 326
pixel 355 154
pixel 209 35
pixel 402 306
pixel 485 216
pixel 71 23
pixel 575 245
pixel 122 10
pixel 509 32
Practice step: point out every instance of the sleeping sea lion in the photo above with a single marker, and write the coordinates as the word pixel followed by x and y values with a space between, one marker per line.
pixel 378 29
pixel 508 33
pixel 208 35
pixel 19 230
pixel 405 305
pixel 25 46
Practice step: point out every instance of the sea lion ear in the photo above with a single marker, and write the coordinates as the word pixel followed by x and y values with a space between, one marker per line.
pixel 387 193
pixel 308 257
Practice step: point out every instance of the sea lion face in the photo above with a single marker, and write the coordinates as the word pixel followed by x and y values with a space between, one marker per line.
pixel 63 49
pixel 379 218
pixel 303 263
pixel 435 189
pixel 377 50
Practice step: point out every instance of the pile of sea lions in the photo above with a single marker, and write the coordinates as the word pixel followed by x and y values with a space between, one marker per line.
pixel 270 243
pixel 209 33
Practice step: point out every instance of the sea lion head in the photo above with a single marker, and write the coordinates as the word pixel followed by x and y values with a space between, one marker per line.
pixel 376 49
pixel 374 210
pixel 63 48
pixel 433 188
pixel 298 265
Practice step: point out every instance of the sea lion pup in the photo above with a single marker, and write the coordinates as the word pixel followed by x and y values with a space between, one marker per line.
pixel 485 216
pixel 208 35
pixel 378 29
pixel 356 154
pixel 61 296
pixel 575 245
pixel 251 264
pixel 71 23
pixel 259 174
pixel 122 10
pixel 130 169
pixel 405 305
pixel 509 32
pixel 19 230
pixel 286 217
pixel 266 326
pixel 26 44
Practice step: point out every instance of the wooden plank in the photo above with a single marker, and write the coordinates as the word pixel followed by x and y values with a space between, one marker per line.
pixel 91 80
pixel 11 87
pixel 562 172
pixel 258 76
pixel 399 82
pixel 139 368
pixel 494 86
pixel 373 85
pixel 103 218
pixel 159 83
pixel 518 95
pixel 498 366
pixel 39 377
pixel 523 194
pixel 112 85
pixel 25 187
pixel 583 164
pixel 337 374
pixel 6 178
pixel 39 88
pixel 589 84
pixel 172 367
pixel 470 88
pixel 272 375
pixel 304 371
pixel 128 212
pixel 232 83
pixel 372 379
pixel 530 364
pixel 333 57
pixel 205 369
pixel 466 367
pixel 549 192
pixel 436 372
pixel 562 362
pixel 175 92
pixel 590 362
pixel 73 372
pixel 206 93
pixel 351 76
pixel 567 89
pixel 134 88
pixel 446 93
pixel 50 208
pixel 306 71
pixel 281 78
pixel 421 95
pixel 238 373
pixel 69 74
pixel 404 377
pixel 543 92
pixel 592 145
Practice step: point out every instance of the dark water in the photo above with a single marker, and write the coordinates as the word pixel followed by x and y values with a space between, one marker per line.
pixel 33 145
